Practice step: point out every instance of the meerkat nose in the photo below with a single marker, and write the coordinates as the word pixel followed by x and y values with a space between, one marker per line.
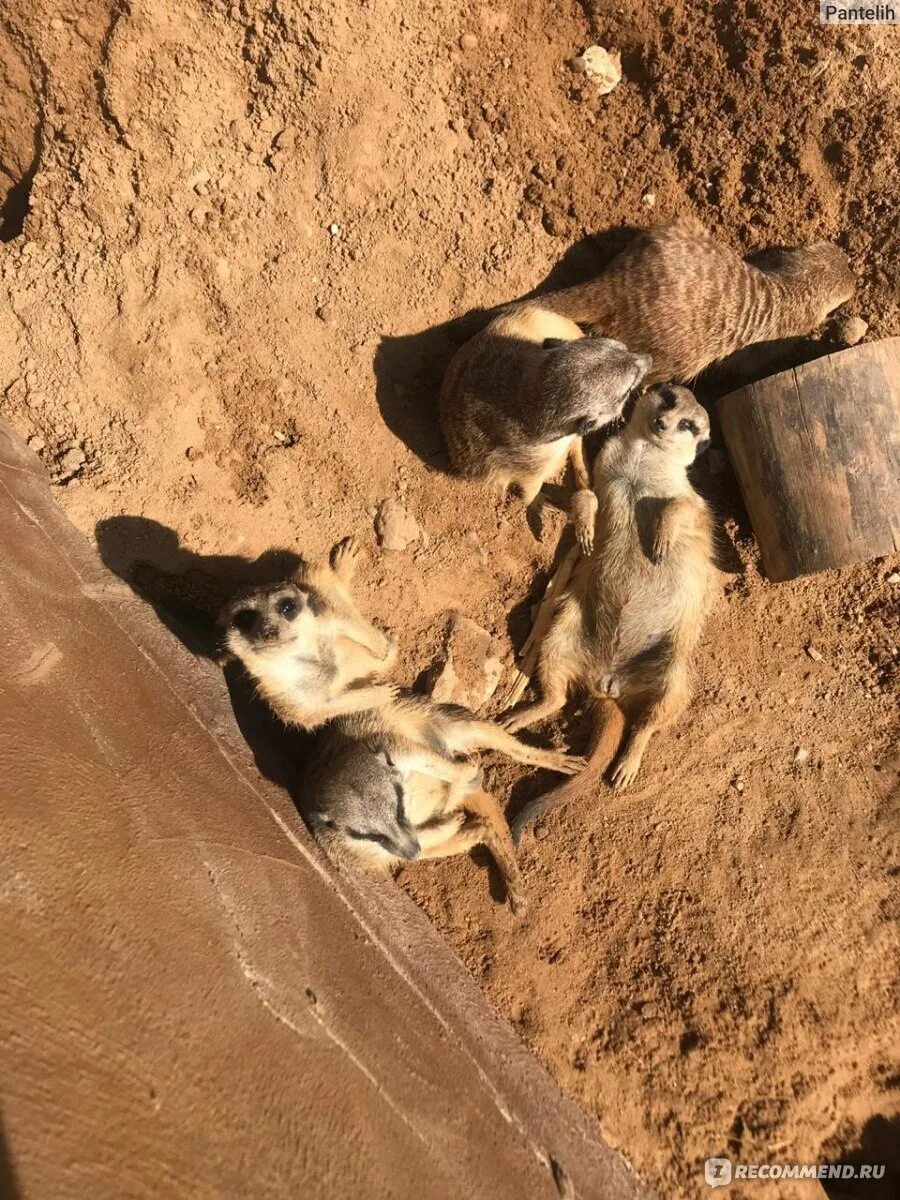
pixel 269 632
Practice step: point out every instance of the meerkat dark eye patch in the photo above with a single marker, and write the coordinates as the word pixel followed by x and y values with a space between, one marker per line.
pixel 314 599
pixel 287 608
pixel 689 426
pixel 554 343
pixel 667 399
pixel 244 619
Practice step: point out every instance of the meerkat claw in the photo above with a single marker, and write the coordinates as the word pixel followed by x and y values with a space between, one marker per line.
pixel 569 764
pixel 344 554
pixel 583 511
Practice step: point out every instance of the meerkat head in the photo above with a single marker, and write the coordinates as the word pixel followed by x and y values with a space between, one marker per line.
pixel 671 418
pixel 263 622
pixel 586 382
pixel 821 272
pixel 360 809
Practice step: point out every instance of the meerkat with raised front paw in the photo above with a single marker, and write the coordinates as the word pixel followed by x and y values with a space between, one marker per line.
pixel 310 651
pixel 626 627
pixel 518 397
pixel 401 783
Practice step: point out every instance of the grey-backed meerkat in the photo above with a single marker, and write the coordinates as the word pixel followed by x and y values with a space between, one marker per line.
pixel 626 627
pixel 401 783
pixel 310 651
pixel 687 300
pixel 518 397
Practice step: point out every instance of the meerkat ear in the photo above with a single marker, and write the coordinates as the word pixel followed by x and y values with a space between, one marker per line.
pixel 554 343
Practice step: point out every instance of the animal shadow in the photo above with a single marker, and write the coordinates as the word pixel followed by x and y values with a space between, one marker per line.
pixel 879 1145
pixel 187 592
pixel 409 369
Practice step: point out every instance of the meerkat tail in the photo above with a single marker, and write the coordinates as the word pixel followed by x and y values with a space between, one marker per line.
pixel 609 726
pixel 531 650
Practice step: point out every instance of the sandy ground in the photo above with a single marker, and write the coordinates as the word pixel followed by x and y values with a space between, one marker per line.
pixel 233 234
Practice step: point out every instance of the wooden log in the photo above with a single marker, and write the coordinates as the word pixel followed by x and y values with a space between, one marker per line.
pixel 817 454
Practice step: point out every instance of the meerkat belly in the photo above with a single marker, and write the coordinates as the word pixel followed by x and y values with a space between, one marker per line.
pixel 637 603
pixel 292 678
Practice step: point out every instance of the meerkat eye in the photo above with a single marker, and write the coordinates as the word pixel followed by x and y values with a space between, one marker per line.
pixel 244 619
pixel 690 426
pixel 667 399
pixel 287 608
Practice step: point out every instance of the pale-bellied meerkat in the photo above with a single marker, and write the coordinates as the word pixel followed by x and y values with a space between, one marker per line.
pixel 310 651
pixel 626 627
pixel 519 396
pixel 400 783
pixel 688 300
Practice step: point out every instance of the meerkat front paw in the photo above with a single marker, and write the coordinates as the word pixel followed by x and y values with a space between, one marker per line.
pixel 512 722
pixel 344 557
pixel 662 544
pixel 566 764
pixel 583 508
pixel 624 772
pixel 390 651
pixel 382 694
pixel 516 898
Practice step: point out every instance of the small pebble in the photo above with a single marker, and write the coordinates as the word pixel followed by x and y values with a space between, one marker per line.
pixel 648 199
pixel 37 444
pixel 602 67
pixel 395 527
pixel 814 654
pixel 468 41
pixel 334 229
pixel 892 578
pixel 800 756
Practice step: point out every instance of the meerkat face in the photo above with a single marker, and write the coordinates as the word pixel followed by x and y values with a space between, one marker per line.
pixel 269 621
pixel 822 270
pixel 586 382
pixel 364 810
pixel 671 418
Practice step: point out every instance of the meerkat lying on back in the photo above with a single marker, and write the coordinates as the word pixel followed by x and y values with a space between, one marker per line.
pixel 400 783
pixel 626 627
pixel 687 300
pixel 518 397
pixel 305 643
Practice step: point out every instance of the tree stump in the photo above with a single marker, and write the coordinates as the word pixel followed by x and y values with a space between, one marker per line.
pixel 817 454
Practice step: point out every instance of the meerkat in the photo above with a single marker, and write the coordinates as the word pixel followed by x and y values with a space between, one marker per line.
pixel 401 783
pixel 687 300
pixel 518 397
pixel 626 627
pixel 310 651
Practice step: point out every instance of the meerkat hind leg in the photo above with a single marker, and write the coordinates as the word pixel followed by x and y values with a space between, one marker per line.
pixel 470 736
pixel 484 825
pixel 661 712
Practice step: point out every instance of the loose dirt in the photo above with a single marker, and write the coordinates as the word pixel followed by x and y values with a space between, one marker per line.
pixel 233 236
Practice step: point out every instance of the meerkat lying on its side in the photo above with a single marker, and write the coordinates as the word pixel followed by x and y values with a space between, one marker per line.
pixel 626 627
pixel 308 648
pixel 519 396
pixel 399 783
pixel 687 300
